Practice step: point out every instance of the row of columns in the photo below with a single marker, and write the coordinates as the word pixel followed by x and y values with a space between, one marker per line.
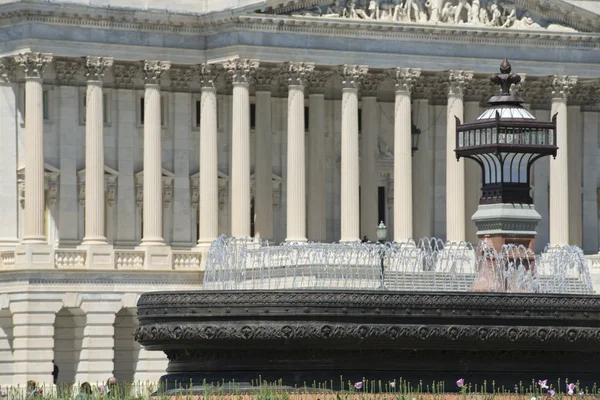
pixel 298 75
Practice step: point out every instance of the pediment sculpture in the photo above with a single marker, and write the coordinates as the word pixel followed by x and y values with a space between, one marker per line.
pixel 490 13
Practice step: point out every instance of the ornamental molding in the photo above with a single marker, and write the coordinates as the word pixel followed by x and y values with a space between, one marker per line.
pixel 562 85
pixel 458 81
pixel 295 73
pixel 152 71
pixel 223 182
pixel 125 74
pixel 51 184
pixel 404 78
pixel 67 71
pixel 33 64
pixel 371 84
pixel 95 67
pixel 240 70
pixel 317 80
pixel 110 185
pixel 181 78
pixel 167 188
pixel 351 75
pixel 207 74
pixel 265 78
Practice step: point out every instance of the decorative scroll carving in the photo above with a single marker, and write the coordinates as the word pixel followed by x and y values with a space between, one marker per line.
pixel 110 183
pixel 317 80
pixel 67 70
pixel 124 75
pixel 457 81
pixel 264 77
pixel 453 12
pixel 207 74
pixel 404 78
pixel 371 83
pixel 152 70
pixel 181 78
pixel 96 66
pixel 479 89
pixel 240 70
pixel 52 187
pixel 562 86
pixel 167 190
pixel 294 73
pixel 33 63
pixel 352 75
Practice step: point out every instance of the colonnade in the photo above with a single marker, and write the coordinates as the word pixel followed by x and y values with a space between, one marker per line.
pixel 305 208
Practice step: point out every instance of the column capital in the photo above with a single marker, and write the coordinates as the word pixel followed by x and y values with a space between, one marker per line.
pixel 7 69
pixel 562 85
pixel 370 84
pixel 207 74
pixel 33 63
pixel 404 78
pixel 295 73
pixel 317 80
pixel 241 70
pixel 96 66
pixel 263 78
pixel 153 70
pixel 352 75
pixel 458 80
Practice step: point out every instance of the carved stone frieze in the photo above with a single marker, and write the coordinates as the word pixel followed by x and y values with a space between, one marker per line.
pixel 371 84
pixel 67 70
pixel 317 81
pixel 585 94
pixel 181 78
pixel 295 73
pixel 264 78
pixel 479 89
pixel 153 70
pixel 95 67
pixel 404 78
pixel 33 64
pixel 125 74
pixel 240 70
pixel 352 75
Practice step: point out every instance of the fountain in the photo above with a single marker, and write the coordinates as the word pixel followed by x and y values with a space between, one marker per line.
pixel 425 310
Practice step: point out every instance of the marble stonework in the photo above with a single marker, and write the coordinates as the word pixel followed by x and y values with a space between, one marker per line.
pixel 273 58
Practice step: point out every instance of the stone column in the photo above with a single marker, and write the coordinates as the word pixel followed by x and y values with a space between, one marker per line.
pixel 94 151
pixel 455 170
pixel 472 180
pixel 208 204
pixel 422 172
pixel 316 156
pixel 404 79
pixel 349 206
pixel 153 205
pixel 574 137
pixel 263 170
pixel 33 65
pixel 559 166
pixel 368 160
pixel 591 122
pixel 294 73
pixel 240 71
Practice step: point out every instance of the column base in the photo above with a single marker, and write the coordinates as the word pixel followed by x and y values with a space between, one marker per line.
pixel 34 239
pixel 296 240
pixel 158 241
pixel 34 256
pixel 99 256
pixel 157 257
pixel 94 241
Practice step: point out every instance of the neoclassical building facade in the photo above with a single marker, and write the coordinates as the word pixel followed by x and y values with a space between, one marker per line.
pixel 135 133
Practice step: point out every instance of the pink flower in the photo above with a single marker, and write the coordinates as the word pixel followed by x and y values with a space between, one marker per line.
pixel 101 388
pixel 460 382
pixel 550 392
pixel 2 394
pixel 543 384
pixel 358 385
pixel 571 389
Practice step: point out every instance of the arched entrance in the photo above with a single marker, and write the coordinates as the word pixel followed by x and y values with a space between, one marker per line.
pixel 68 339
pixel 6 348
pixel 127 350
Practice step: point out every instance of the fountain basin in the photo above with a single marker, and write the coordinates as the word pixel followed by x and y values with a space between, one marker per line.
pixel 300 336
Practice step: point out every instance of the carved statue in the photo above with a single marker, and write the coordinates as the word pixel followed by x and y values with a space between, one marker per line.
pixel 472 12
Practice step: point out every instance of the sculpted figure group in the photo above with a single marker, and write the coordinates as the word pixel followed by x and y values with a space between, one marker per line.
pixel 473 12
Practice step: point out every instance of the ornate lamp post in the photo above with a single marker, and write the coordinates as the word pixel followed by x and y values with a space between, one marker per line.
pixel 381 232
pixel 505 141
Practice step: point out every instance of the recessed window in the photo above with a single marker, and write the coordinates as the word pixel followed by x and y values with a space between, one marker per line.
pixel 198 113
pixel 45 104
pixel 306 118
pixel 252 116
pixel 359 120
pixel 105 109
pixel 163 111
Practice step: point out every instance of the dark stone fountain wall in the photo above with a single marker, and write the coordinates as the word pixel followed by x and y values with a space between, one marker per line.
pixel 303 336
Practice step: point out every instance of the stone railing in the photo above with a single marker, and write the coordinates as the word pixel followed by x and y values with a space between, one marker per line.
pixel 120 259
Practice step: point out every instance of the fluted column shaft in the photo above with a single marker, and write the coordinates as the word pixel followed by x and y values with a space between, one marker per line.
pixel 209 175
pixel 296 173
pixel 94 165
pixel 33 65
pixel 240 162
pixel 263 205
pixel 152 234
pixel 403 224
pixel 368 168
pixel 455 170
pixel 316 168
pixel 349 207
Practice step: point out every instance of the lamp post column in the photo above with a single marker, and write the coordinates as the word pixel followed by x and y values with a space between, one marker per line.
pixel 296 173
pixel 94 151
pixel 33 64
pixel 208 203
pixel 559 171
pixel 455 170
pixel 153 207
pixel 240 71
pixel 350 212
pixel 404 79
